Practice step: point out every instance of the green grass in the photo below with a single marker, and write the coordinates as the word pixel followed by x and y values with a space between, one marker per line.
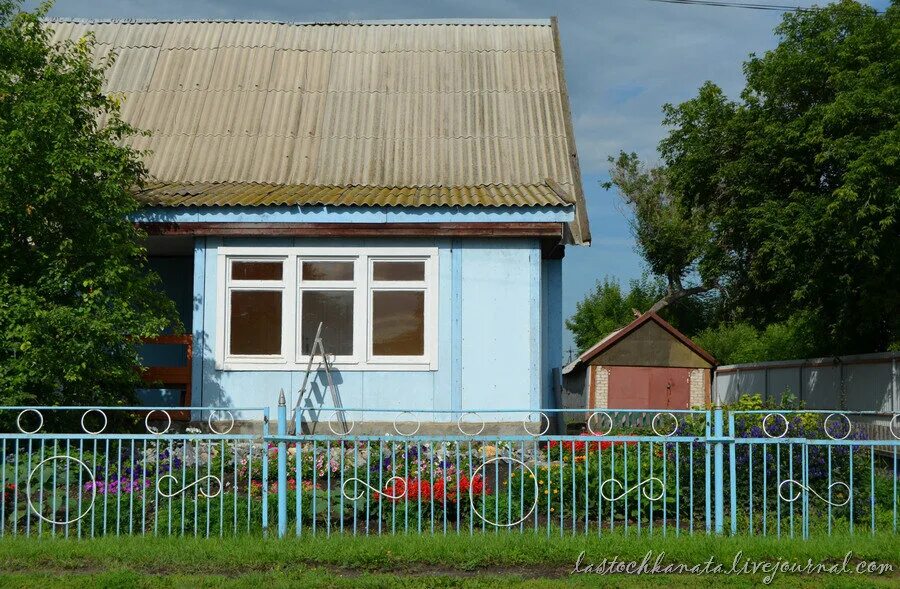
pixel 502 560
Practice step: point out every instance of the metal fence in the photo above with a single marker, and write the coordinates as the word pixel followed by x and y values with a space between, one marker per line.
pixel 781 473
pixel 866 382
pixel 147 479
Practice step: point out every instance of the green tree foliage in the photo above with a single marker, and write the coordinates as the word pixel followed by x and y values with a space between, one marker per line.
pixel 787 199
pixel 670 236
pixel 800 178
pixel 735 343
pixel 75 290
pixel 608 308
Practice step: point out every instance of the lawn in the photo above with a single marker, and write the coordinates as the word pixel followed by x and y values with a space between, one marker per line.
pixel 501 560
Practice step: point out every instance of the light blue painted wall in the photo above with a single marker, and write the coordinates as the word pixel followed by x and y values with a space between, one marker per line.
pixel 498 366
pixel 491 357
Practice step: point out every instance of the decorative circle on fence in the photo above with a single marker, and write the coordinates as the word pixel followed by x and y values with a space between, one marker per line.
pixel 595 414
pixel 891 426
pixel 803 487
pixel 93 432
pixel 464 432
pixel 472 492
pixel 656 431
pixel 412 433
pixel 61 457
pixel 373 489
pixel 40 422
pixel 541 419
pixel 849 426
pixel 334 415
pixel 186 487
pixel 153 430
pixel 212 428
pixel 765 429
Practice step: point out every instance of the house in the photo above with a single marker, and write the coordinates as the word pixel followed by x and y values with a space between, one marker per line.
pixel 648 364
pixel 409 185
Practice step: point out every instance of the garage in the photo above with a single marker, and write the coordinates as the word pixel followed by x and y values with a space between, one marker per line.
pixel 648 364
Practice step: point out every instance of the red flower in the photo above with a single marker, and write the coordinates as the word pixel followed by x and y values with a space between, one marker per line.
pixel 422 490
pixel 579 446
pixel 273 488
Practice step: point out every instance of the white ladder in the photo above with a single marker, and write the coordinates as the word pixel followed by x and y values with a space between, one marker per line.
pixel 318 349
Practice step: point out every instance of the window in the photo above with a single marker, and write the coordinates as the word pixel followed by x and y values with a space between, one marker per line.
pixel 327 292
pixel 255 308
pixel 398 308
pixel 374 308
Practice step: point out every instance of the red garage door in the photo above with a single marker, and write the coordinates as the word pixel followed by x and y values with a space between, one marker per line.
pixel 640 387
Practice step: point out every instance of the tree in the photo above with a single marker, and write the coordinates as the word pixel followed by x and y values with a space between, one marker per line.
pixel 670 236
pixel 76 295
pixel 735 343
pixel 795 186
pixel 607 308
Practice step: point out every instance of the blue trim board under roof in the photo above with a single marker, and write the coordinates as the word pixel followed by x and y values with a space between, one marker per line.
pixel 330 214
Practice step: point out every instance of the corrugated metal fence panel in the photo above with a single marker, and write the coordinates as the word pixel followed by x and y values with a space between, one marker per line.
pixel 868 382
pixel 871 386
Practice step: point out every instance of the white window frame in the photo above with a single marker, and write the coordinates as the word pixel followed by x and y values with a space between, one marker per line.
pixel 357 285
pixel 229 285
pixel 373 286
pixel 363 285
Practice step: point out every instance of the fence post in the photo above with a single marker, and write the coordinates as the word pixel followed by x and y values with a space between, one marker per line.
pixel 265 472
pixel 282 466
pixel 719 468
pixel 732 475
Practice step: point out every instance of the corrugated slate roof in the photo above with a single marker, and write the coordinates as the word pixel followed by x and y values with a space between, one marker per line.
pixel 374 112
pixel 254 194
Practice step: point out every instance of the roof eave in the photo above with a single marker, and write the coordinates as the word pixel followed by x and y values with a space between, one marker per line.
pixel 579 229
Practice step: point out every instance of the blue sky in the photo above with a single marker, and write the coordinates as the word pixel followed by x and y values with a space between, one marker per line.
pixel 624 59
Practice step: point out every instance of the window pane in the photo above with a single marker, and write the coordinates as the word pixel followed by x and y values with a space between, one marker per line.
pixel 255 322
pixel 398 271
pixel 256 270
pixel 327 271
pixel 398 323
pixel 334 309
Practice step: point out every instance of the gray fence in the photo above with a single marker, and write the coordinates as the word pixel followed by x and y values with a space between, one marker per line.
pixel 866 382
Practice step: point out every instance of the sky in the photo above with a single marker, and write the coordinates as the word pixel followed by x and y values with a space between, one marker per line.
pixel 624 59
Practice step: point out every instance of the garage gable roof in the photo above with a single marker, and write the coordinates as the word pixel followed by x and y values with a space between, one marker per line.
pixel 617 336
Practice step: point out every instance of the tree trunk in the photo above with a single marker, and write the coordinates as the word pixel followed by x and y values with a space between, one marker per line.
pixel 680 293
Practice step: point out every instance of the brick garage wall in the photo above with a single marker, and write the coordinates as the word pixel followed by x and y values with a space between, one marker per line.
pixel 600 387
pixel 699 397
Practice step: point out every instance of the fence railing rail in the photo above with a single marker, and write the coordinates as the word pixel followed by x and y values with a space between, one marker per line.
pixel 88 471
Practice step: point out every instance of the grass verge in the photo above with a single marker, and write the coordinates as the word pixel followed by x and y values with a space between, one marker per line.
pixel 501 560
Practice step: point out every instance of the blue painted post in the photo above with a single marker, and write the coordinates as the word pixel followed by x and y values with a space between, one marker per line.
pixel 456 326
pixel 719 473
pixel 732 474
pixel 282 466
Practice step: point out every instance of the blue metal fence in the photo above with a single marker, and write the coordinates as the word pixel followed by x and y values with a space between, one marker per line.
pixel 148 479
pixel 369 471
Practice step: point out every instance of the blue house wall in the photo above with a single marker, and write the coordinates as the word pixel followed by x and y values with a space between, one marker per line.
pixel 499 318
